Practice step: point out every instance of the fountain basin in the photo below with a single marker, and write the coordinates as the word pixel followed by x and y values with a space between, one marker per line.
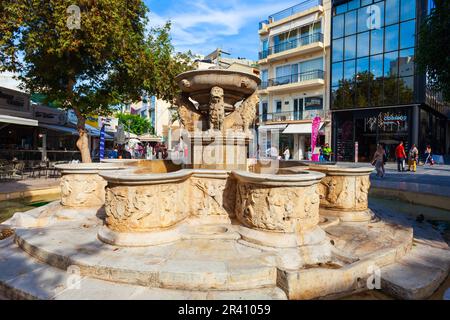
pixel 81 184
pixel 344 190
pixel 236 85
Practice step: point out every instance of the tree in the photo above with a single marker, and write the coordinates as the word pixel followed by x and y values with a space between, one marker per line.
pixel 433 54
pixel 108 60
pixel 135 124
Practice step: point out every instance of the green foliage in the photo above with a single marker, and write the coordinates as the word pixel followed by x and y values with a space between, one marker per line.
pixel 433 54
pixel 111 59
pixel 135 124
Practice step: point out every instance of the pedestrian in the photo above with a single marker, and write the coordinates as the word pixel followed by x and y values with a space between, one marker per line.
pixel 287 154
pixel 327 152
pixel 413 158
pixel 378 161
pixel 429 156
pixel 401 156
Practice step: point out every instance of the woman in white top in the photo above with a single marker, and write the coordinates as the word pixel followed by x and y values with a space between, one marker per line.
pixel 287 154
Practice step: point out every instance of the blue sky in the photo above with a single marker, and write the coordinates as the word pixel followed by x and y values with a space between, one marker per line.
pixel 204 25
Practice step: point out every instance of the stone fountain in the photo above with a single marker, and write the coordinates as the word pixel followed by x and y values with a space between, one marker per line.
pixel 211 228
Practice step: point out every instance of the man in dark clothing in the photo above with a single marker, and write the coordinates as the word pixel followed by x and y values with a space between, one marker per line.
pixel 401 156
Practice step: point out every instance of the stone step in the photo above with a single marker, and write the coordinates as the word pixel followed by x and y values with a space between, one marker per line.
pixel 199 264
pixel 24 277
pixel 418 275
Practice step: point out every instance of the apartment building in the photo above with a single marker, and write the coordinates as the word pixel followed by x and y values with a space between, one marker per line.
pixel 294 64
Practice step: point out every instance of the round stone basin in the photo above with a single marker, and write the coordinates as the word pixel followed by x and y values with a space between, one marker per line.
pixel 87 168
pixel 342 169
pixel 300 178
pixel 236 85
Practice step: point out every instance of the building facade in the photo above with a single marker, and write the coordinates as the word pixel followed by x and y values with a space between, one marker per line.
pixel 376 94
pixel 293 60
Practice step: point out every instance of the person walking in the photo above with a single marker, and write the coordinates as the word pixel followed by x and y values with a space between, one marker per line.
pixel 378 161
pixel 327 152
pixel 429 156
pixel 287 154
pixel 413 157
pixel 401 156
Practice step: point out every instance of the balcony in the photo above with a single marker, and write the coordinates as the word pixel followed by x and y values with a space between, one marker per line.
pixel 294 116
pixel 303 6
pixel 299 42
pixel 293 81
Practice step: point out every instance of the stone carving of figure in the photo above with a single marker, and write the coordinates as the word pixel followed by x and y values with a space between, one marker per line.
pixel 243 117
pixel 248 110
pixel 188 114
pixel 216 109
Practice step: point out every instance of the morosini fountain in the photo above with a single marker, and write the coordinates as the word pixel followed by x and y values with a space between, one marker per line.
pixel 217 226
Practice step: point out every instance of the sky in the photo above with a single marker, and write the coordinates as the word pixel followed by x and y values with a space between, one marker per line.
pixel 204 25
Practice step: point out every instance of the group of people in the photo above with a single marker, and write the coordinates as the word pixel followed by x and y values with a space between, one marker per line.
pixel 412 158
pixel 325 153
pixel 139 151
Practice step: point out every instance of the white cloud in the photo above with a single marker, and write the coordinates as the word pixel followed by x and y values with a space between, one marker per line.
pixel 202 26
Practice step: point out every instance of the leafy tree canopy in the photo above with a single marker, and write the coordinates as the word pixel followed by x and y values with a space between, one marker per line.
pixel 433 55
pixel 135 123
pixel 110 59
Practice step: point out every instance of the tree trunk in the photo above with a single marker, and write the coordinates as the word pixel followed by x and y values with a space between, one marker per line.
pixel 83 140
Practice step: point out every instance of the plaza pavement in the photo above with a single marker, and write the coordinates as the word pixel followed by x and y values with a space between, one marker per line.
pixel 433 180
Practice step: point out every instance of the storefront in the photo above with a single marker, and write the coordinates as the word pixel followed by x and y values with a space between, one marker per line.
pixel 364 130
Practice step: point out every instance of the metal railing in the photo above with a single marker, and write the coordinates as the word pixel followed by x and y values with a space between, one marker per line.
pixel 294 115
pixel 291 44
pixel 303 6
pixel 294 78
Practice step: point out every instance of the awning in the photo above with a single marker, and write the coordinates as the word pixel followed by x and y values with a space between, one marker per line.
pixel 149 138
pixel 94 132
pixel 301 128
pixel 18 120
pixel 53 127
pixel 73 131
pixel 272 127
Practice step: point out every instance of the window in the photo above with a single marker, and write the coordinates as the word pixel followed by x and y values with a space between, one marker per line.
pixel 376 41
pixel 391 38
pixel 349 70
pixel 376 66
pixel 392 10
pixel 353 4
pixel 350 47
pixel 338 50
pixel 362 65
pixel 278 106
pixel 338 26
pixel 337 73
pixel 407 10
pixel 406 62
pixel 350 22
pixel 264 75
pixel 391 64
pixel 363 18
pixel 311 65
pixel 313 103
pixel 363 44
pixel 407 34
pixel 341 8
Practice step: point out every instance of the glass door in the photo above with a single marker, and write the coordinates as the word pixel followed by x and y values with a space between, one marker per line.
pixel 298 109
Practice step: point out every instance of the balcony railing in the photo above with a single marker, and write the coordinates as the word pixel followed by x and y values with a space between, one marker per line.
pixel 293 115
pixel 303 6
pixel 294 78
pixel 291 44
